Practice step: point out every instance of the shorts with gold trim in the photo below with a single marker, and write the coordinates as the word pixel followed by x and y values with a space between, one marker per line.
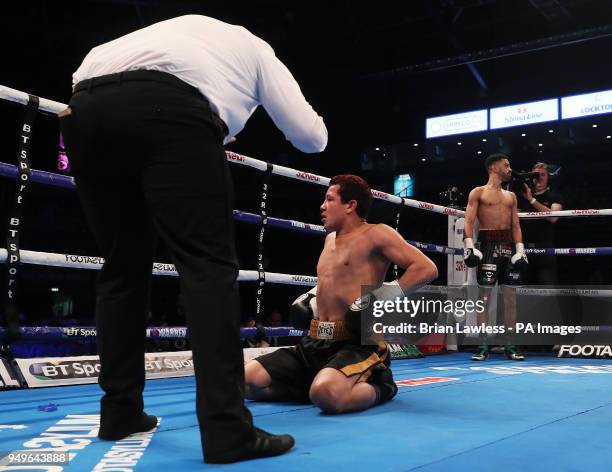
pixel 294 368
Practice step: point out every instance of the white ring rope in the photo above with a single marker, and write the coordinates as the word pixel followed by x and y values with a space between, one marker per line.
pixel 51 106
pixel 16 96
pixel 565 213
pixel 93 262
pixel 542 292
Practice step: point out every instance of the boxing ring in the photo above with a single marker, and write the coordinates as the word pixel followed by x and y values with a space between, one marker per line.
pixel 449 413
pixel 542 414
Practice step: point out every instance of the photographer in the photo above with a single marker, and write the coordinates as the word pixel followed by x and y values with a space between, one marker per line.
pixel 540 232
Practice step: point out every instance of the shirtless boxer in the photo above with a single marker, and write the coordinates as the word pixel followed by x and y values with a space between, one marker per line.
pixel 330 367
pixel 496 210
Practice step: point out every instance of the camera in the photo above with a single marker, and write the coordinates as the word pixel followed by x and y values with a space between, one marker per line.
pixel 520 178
pixel 452 195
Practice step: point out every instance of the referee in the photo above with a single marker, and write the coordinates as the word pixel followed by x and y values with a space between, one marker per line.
pixel 144 132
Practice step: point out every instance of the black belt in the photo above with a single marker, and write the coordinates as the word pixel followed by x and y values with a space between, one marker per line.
pixel 147 76
pixel 135 76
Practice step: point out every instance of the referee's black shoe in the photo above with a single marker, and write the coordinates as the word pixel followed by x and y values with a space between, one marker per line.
pixel 263 444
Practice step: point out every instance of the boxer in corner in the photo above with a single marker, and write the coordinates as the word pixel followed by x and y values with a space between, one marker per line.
pixel 499 253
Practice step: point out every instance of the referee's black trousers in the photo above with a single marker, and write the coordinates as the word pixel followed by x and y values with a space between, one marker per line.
pixel 147 156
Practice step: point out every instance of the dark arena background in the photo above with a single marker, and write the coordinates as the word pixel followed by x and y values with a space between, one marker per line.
pixel 375 71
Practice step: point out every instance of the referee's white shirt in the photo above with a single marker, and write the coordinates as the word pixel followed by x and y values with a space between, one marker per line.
pixel 234 69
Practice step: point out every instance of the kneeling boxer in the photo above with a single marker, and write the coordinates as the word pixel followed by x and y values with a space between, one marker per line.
pixel 330 367
pixel 497 214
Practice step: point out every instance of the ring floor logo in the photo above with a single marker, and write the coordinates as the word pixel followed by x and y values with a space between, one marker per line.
pixel 534 369
pixel 59 445
pixel 587 350
pixel 126 453
pixel 56 447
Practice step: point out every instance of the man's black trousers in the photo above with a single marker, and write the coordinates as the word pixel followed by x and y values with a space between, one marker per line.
pixel 147 156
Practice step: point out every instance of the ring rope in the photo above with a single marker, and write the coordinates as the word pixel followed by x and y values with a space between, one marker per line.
pixel 50 259
pixel 51 106
pixel 87 262
pixel 544 292
pixel 16 96
pixel 55 333
pixel 64 181
pixel 9 170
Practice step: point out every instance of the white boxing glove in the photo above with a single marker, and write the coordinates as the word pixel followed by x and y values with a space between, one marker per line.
pixel 471 255
pixel 519 259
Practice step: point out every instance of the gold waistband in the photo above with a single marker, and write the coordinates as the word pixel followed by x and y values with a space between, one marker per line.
pixel 332 330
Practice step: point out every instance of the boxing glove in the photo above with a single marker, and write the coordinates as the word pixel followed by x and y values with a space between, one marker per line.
pixel 519 259
pixel 365 304
pixel 471 255
pixel 303 310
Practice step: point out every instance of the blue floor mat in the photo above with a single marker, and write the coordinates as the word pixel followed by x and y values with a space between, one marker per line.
pixel 543 413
